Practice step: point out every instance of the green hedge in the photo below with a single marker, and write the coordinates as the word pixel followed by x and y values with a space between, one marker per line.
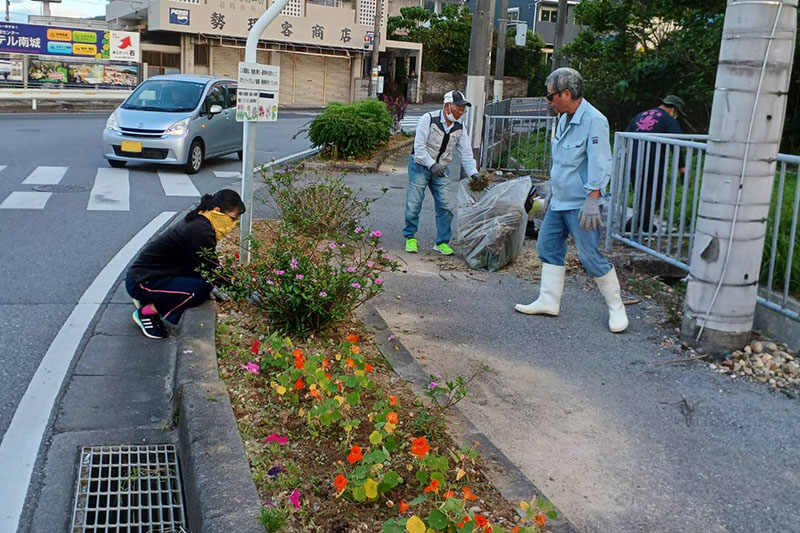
pixel 350 130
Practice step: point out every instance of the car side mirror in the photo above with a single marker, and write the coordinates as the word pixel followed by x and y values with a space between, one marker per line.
pixel 215 110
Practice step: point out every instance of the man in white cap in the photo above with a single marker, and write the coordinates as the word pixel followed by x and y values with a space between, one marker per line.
pixel 439 136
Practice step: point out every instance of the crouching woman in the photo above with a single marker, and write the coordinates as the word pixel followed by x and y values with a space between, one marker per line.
pixel 165 278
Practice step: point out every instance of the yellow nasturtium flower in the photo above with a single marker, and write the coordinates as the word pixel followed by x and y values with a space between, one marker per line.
pixel 281 390
pixel 460 474
pixel 339 399
pixel 415 525
pixel 371 488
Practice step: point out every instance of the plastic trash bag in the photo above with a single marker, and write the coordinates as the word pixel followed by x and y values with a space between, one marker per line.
pixel 490 224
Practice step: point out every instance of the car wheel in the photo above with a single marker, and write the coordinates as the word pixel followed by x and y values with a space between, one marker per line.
pixel 116 164
pixel 240 154
pixel 195 160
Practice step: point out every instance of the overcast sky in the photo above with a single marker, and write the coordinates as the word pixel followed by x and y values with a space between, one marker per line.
pixel 20 9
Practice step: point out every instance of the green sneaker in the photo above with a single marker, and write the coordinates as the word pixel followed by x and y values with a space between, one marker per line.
pixel 411 246
pixel 443 249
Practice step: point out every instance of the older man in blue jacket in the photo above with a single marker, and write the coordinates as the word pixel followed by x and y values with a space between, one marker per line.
pixel 581 169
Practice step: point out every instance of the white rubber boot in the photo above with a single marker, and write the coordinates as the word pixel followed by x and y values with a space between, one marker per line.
pixel 609 286
pixel 550 290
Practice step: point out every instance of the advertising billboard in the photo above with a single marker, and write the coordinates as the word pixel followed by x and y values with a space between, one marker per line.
pixel 20 38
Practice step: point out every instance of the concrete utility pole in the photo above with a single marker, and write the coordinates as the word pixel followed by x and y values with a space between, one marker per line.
pixel 376 41
pixel 561 25
pixel 478 69
pixel 500 65
pixel 8 10
pixel 755 63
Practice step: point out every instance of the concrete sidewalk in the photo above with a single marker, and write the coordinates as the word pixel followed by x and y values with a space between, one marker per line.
pixel 617 443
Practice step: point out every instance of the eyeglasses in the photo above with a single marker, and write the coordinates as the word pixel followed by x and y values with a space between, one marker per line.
pixel 550 96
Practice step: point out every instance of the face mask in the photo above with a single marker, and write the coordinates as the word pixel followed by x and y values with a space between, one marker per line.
pixel 222 223
pixel 450 117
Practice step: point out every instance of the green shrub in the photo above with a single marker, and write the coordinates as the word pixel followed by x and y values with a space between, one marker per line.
pixel 350 130
pixel 304 285
pixel 322 206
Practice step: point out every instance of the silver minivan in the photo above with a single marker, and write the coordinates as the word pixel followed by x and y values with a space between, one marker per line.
pixel 175 119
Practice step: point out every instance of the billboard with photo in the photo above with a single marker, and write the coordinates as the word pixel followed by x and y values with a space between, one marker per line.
pixel 76 73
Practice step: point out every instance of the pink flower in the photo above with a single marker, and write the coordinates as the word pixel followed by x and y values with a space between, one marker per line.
pixel 252 368
pixel 293 264
pixel 295 499
pixel 370 264
pixel 351 269
pixel 381 249
pixel 332 245
pixel 323 294
pixel 277 438
pixel 280 272
pixel 355 285
pixel 375 234
pixel 299 276
pixel 378 281
pixel 357 230
pixel 270 282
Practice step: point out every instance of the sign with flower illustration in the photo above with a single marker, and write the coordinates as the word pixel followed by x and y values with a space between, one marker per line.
pixel 257 94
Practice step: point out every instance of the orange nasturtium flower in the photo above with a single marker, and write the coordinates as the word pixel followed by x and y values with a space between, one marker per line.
pixel 403 506
pixel 468 494
pixel 355 454
pixel 326 363
pixel 297 353
pixel 515 529
pixel 368 367
pixel 315 394
pixel 420 447
pixel 480 520
pixel 391 418
pixel 540 519
pixel 351 338
pixel 464 521
pixel 349 362
pixel 448 494
pixel 355 349
pixel 340 482
pixel 392 400
pixel 299 360
pixel 299 384
pixel 433 487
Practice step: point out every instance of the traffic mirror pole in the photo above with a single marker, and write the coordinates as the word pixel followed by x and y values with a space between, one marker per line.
pixel 250 128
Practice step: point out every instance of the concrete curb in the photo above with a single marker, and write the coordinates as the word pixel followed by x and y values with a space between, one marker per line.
pixel 220 494
pixel 368 167
pixel 505 475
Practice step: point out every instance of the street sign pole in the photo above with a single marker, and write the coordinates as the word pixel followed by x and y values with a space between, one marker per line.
pixel 250 128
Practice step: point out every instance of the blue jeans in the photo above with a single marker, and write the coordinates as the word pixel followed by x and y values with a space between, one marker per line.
pixel 552 243
pixel 420 178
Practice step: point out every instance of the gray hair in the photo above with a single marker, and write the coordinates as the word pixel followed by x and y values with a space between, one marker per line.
pixel 566 78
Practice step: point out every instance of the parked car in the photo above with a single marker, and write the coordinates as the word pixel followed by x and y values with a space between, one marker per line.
pixel 175 119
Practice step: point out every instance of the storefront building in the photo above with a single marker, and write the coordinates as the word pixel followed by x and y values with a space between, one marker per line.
pixel 321 46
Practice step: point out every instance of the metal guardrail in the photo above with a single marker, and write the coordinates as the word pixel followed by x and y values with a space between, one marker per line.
pixel 517 143
pixel 64 94
pixel 655 193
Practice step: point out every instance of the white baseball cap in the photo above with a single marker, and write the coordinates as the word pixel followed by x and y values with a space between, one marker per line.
pixel 456 97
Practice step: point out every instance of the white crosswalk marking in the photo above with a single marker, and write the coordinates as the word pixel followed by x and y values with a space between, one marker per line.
pixel 177 184
pixel 228 174
pixel 26 200
pixel 2 167
pixel 45 176
pixel 111 191
pixel 409 123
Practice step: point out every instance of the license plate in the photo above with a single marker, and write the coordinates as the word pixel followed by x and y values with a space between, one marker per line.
pixel 131 146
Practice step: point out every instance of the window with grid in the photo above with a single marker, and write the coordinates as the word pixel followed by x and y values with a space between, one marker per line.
pixel 366 12
pixel 294 8
pixel 548 14
pixel 161 62
pixel 513 13
pixel 201 55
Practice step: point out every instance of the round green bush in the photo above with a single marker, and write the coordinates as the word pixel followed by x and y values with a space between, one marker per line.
pixel 351 130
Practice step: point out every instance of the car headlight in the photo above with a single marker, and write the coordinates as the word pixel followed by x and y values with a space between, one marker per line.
pixel 179 128
pixel 111 123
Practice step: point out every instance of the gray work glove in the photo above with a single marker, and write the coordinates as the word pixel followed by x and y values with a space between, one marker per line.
pixel 219 295
pixel 590 218
pixel 437 170
pixel 254 298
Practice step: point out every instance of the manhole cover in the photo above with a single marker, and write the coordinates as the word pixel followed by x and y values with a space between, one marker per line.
pixel 60 188
pixel 131 489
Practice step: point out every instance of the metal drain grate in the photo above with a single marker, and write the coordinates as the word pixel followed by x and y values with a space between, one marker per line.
pixel 60 188
pixel 129 489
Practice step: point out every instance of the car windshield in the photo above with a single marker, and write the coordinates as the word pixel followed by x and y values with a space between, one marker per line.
pixel 169 96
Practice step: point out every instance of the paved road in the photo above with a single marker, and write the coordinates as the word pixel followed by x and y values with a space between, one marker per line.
pixel 55 244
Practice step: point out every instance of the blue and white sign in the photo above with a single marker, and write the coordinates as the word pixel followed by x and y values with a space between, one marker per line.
pixel 179 16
